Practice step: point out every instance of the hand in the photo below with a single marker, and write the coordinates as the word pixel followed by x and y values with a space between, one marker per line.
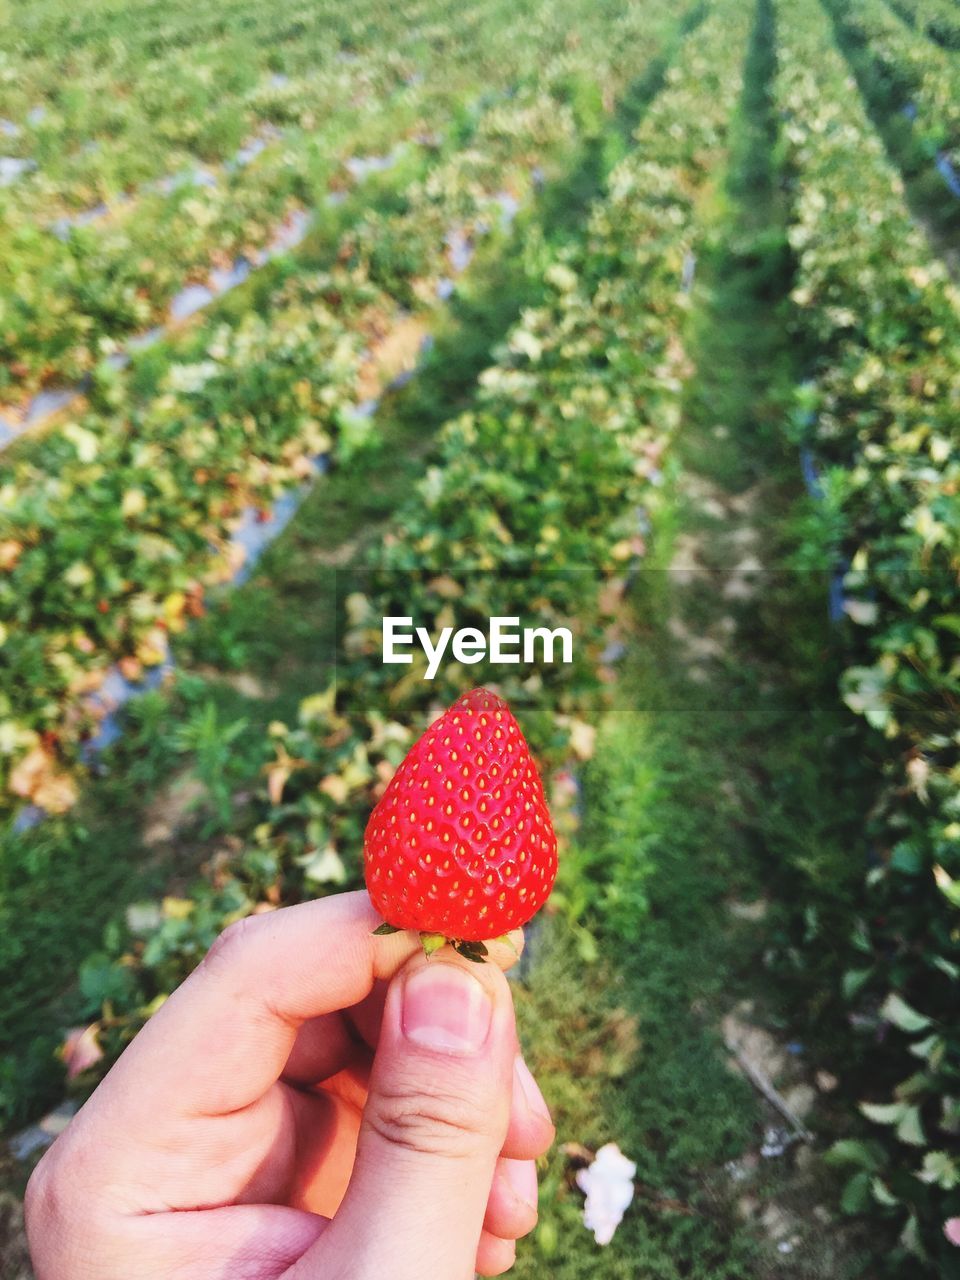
pixel 313 1101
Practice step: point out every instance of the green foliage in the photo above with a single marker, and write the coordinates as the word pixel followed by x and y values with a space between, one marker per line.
pixel 210 745
pixel 115 526
pixel 608 875
pixel 909 70
pixel 200 151
pixel 648 1078
pixel 552 410
pixel 294 581
pixel 883 418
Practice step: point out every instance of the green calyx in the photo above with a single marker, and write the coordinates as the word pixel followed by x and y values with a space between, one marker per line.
pixel 431 942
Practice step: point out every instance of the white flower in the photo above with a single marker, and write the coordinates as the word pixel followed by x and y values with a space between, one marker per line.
pixel 608 1185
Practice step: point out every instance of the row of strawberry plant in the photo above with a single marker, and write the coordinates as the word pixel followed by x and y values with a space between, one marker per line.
pixel 84 106
pixel 881 315
pixel 48 29
pixel 112 524
pixel 137 121
pixel 532 507
pixel 69 300
pixel 937 19
pixel 916 75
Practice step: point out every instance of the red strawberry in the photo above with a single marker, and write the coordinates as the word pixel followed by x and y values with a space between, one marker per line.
pixel 461 845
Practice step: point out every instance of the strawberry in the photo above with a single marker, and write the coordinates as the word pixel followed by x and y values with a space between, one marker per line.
pixel 461 846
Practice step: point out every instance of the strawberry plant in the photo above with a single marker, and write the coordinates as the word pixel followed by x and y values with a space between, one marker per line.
pixel 936 18
pixel 880 413
pixel 916 75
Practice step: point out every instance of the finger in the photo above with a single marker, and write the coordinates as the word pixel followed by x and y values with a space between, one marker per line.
pixel 223 1037
pixel 530 1133
pixel 237 1240
pixel 434 1124
pixel 494 1256
pixel 531 1130
pixel 512 1203
pixel 326 1135
pixel 323 1047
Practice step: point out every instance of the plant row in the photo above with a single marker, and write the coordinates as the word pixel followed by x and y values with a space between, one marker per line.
pixel 881 414
pixel 534 507
pixel 938 19
pixel 107 114
pixel 916 75
pixel 70 299
pixel 97 132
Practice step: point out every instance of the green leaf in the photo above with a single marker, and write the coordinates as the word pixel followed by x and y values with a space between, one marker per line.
pixel 910 1237
pixel 856 1196
pixel 865 693
pixel 882 1194
pixel 383 929
pixel 915 1086
pixel 861 939
pixel 323 866
pixel 945 966
pixel 940 1169
pixel 884 1112
pixel 948 886
pixel 475 951
pixel 851 1151
pixel 931 1050
pixel 587 948
pixel 546 1237
pixel 910 1129
pixel 854 980
pixel 903 1015
pixel 907 859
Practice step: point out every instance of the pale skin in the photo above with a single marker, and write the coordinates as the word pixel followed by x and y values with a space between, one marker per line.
pixel 314 1101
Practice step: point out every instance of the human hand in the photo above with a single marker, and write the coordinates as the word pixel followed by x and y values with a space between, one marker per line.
pixel 312 1102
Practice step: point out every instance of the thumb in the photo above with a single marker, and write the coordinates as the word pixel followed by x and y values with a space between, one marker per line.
pixel 435 1120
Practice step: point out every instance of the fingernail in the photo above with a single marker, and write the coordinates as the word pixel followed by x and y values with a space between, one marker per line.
pixel 522 1177
pixel 445 1009
pixel 530 1090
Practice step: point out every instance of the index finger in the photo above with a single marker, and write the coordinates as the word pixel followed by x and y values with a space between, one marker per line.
pixel 223 1037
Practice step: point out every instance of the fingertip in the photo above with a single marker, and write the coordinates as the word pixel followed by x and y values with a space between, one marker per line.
pixel 531 1131
pixel 489 976
pixel 495 1256
pixel 512 1204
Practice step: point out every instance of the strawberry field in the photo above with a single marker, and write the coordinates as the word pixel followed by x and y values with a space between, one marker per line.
pixel 634 319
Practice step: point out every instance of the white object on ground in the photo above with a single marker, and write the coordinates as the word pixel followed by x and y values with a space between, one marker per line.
pixel 608 1185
